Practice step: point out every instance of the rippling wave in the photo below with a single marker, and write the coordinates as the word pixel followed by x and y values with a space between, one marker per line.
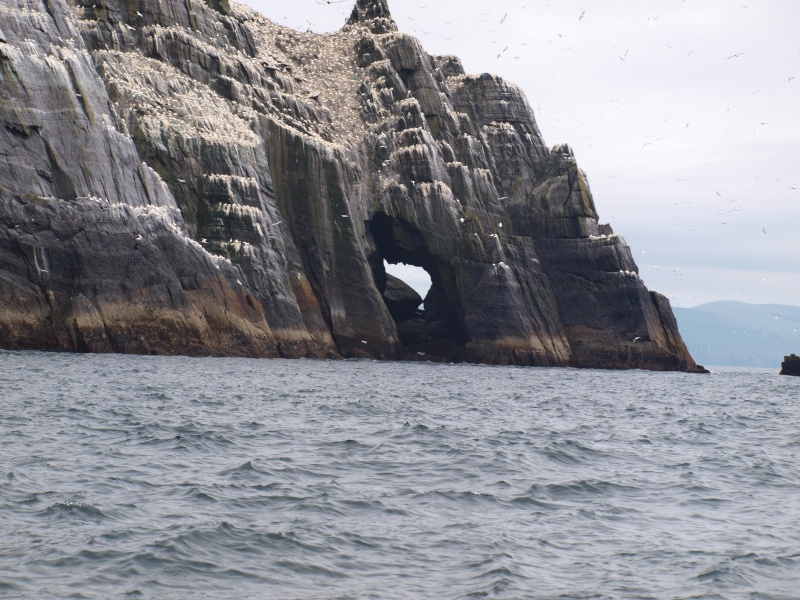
pixel 149 477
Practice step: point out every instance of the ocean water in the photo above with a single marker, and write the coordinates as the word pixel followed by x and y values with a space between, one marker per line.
pixel 153 477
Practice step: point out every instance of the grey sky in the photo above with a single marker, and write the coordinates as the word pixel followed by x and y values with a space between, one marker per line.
pixel 683 113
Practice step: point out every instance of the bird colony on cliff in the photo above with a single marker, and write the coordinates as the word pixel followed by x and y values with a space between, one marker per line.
pixel 190 177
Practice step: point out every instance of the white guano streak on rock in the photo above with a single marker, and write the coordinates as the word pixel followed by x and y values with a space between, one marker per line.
pixel 171 101
pixel 318 63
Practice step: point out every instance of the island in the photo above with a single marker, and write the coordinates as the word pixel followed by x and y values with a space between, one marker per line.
pixel 188 177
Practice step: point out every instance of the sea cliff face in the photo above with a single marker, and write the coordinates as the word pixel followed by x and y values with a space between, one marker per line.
pixel 189 177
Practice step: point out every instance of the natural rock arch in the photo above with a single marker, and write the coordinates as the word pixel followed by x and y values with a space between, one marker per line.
pixel 443 332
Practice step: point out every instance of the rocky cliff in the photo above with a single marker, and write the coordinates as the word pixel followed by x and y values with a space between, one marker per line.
pixel 185 176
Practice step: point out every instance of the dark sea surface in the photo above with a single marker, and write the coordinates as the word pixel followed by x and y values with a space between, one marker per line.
pixel 152 477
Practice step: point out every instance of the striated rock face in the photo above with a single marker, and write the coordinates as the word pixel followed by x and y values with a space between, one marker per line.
pixel 181 176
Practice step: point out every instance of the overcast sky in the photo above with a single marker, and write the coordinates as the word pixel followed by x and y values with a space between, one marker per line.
pixel 685 115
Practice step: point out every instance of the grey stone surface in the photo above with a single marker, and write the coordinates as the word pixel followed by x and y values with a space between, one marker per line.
pixel 189 177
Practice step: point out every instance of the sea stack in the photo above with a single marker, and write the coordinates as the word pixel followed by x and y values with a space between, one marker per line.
pixel 791 365
pixel 188 177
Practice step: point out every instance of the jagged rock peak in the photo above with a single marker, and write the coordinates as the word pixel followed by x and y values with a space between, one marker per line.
pixel 374 14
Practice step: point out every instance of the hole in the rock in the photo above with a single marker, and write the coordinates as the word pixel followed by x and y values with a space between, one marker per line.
pixel 404 295
pixel 407 286
pixel 409 275
pixel 416 278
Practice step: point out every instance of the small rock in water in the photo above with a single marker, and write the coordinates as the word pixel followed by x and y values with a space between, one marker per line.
pixel 791 365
